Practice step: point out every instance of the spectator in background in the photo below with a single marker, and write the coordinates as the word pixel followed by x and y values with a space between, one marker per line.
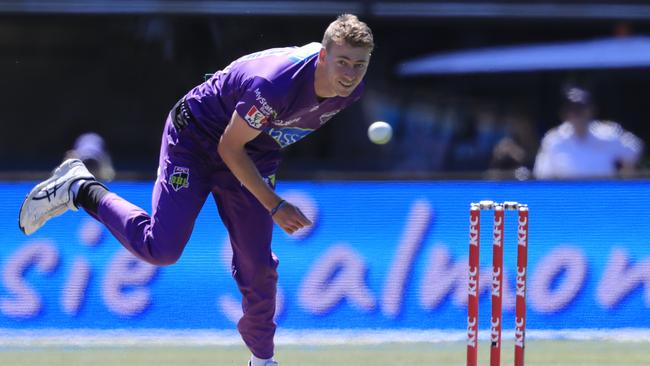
pixel 582 147
pixel 91 149
pixel 428 124
pixel 477 137
pixel 514 154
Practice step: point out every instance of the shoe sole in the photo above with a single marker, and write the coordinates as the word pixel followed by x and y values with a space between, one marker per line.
pixel 58 172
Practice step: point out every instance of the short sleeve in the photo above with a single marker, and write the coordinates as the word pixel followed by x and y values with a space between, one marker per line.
pixel 543 167
pixel 624 145
pixel 259 104
pixel 629 147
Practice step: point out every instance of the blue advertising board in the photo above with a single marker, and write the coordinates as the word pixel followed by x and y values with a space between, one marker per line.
pixel 380 255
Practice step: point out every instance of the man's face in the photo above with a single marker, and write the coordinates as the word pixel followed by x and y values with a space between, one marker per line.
pixel 345 67
pixel 581 116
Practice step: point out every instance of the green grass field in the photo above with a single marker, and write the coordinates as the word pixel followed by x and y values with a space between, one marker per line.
pixel 538 353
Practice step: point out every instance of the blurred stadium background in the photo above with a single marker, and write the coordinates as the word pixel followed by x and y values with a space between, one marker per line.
pixel 385 263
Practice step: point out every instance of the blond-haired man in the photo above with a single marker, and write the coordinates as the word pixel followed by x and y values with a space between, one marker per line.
pixel 224 138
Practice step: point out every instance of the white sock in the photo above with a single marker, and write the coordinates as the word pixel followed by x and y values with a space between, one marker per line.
pixel 259 361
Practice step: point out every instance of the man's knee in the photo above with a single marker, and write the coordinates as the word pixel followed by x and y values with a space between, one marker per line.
pixel 166 259
pixel 165 250
pixel 165 255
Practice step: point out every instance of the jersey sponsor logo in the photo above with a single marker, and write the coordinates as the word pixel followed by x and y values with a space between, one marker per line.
pixel 180 178
pixel 327 116
pixel 289 122
pixel 255 118
pixel 288 135
pixel 265 107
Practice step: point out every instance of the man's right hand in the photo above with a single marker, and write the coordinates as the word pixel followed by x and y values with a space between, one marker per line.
pixel 290 218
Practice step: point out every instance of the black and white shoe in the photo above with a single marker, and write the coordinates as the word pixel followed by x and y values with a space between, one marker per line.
pixel 52 197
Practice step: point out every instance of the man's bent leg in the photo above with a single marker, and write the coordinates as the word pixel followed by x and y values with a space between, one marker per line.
pixel 254 266
pixel 178 195
pixel 158 239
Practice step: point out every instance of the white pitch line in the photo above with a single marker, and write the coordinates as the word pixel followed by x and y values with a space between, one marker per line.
pixel 205 337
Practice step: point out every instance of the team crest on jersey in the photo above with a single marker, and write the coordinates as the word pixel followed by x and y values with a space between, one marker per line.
pixel 327 116
pixel 180 178
pixel 255 118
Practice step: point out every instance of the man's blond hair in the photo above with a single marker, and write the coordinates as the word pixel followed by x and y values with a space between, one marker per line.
pixel 349 29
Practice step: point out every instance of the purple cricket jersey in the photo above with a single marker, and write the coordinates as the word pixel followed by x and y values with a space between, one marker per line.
pixel 273 91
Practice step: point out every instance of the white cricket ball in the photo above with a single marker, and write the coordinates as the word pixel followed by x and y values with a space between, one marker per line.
pixel 380 132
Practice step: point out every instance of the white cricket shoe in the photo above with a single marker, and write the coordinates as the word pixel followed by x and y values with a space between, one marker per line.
pixel 52 197
pixel 268 363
